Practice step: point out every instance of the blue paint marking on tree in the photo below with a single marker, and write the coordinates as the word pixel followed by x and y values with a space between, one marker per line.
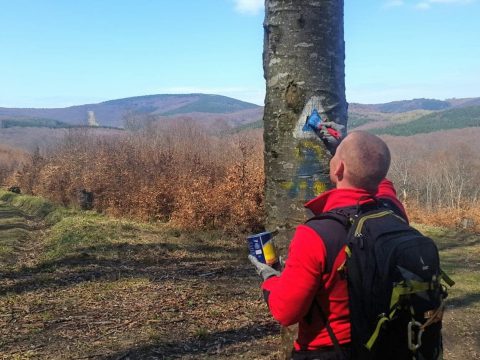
pixel 313 121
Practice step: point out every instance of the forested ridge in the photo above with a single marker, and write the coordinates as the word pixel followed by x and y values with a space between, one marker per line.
pixel 444 120
pixel 232 115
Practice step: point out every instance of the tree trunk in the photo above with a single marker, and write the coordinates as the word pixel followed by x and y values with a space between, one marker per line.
pixel 304 68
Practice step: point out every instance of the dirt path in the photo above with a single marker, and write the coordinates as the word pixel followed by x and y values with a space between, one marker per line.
pixel 17 234
pixel 97 288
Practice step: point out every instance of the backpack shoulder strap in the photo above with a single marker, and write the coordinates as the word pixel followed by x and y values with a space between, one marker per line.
pixel 330 331
pixel 341 215
pixel 332 227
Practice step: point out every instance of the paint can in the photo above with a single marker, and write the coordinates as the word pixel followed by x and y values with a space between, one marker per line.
pixel 261 246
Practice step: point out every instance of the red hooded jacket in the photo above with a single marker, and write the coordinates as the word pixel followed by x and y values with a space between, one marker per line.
pixel 290 296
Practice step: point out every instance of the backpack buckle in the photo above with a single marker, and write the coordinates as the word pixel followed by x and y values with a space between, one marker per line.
pixel 414 327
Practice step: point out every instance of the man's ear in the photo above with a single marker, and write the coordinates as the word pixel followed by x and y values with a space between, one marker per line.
pixel 339 170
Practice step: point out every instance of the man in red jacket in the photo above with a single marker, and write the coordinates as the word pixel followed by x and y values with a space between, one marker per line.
pixel 310 291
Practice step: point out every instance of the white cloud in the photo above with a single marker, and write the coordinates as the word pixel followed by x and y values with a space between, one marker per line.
pixel 450 1
pixel 423 6
pixel 251 7
pixel 427 4
pixel 394 3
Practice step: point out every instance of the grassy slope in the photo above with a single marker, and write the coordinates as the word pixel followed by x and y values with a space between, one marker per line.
pixel 445 120
pixel 377 119
pixel 107 289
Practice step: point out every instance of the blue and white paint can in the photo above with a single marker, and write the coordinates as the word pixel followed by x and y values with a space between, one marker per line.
pixel 261 246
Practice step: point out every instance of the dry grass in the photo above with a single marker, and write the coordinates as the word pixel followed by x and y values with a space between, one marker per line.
pixel 466 217
pixel 129 289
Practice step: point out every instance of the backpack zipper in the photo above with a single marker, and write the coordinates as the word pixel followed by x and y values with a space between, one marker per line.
pixel 358 229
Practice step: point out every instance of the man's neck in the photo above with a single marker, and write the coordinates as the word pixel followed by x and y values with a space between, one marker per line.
pixel 347 185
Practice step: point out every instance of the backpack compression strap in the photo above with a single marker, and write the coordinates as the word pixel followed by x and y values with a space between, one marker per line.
pixel 399 290
pixel 408 288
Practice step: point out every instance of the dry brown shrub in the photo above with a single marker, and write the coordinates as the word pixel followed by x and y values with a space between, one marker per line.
pixel 174 171
pixel 10 160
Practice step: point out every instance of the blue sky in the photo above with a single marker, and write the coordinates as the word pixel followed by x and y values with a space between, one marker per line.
pixel 59 53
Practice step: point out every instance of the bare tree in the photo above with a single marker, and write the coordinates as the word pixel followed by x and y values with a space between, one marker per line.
pixel 304 68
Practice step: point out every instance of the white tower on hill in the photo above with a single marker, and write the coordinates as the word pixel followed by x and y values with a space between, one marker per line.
pixel 91 119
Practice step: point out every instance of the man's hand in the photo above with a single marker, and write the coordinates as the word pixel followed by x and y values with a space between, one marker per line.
pixel 328 131
pixel 331 135
pixel 263 270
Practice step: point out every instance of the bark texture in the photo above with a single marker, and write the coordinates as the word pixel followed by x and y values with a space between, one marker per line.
pixel 304 68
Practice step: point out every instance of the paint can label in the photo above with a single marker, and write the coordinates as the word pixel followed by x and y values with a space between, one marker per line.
pixel 261 246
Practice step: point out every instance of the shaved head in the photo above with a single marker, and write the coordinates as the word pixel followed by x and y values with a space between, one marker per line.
pixel 364 160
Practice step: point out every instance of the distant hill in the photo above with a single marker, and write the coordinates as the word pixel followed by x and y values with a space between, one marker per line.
pixel 113 112
pixel 463 102
pixel 227 114
pixel 412 105
pixel 395 116
pixel 450 119
pixel 402 106
pixel 372 120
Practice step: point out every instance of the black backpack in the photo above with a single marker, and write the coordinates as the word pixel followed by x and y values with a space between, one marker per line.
pixel 394 283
